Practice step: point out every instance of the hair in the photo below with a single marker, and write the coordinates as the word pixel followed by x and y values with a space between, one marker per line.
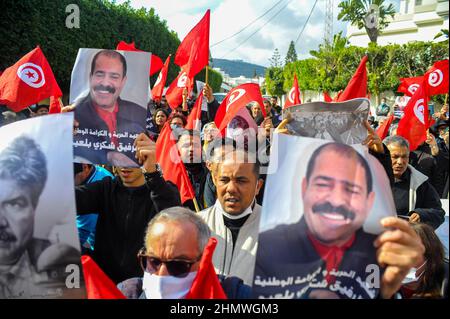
pixel 217 143
pixel 110 54
pixel 24 162
pixel 177 115
pixel 181 215
pixel 187 132
pixel 344 151
pixel 430 283
pixel 243 156
pixel 156 113
pixel 396 140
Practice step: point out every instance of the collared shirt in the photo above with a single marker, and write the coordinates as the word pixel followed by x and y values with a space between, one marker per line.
pixel 110 118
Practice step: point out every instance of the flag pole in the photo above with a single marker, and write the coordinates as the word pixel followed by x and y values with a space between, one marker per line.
pixel 206 74
pixel 195 204
pixel 446 96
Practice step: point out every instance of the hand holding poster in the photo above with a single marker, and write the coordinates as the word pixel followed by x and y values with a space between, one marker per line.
pixel 111 95
pixel 341 122
pixel 39 248
pixel 320 220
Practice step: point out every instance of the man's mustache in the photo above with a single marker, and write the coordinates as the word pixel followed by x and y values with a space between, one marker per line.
pixel 327 207
pixel 108 88
pixel 6 236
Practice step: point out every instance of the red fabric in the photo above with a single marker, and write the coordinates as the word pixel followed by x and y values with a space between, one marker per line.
pixel 326 97
pixel 173 168
pixel 332 255
pixel 437 78
pixel 194 118
pixel 336 98
pixel 415 121
pixel 357 87
pixel 158 87
pixel 155 61
pixel 41 83
pixel 110 118
pixel 55 105
pixel 98 285
pixel 383 130
pixel 206 285
pixel 193 53
pixel 293 97
pixel 235 100
pixel 409 85
pixel 174 93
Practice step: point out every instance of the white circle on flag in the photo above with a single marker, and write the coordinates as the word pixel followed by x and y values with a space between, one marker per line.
pixel 158 79
pixel 435 78
pixel 291 95
pixel 419 109
pixel 31 74
pixel 236 95
pixel 182 80
pixel 413 88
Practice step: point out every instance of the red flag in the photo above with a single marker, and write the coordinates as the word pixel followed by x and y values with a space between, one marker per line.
pixel 174 93
pixel 326 97
pixel 206 285
pixel 155 61
pixel 28 81
pixel 194 119
pixel 98 285
pixel 357 86
pixel 193 53
pixel 55 105
pixel 173 168
pixel 414 123
pixel 409 85
pixel 293 97
pixel 236 99
pixel 383 130
pixel 158 87
pixel 437 78
pixel 338 95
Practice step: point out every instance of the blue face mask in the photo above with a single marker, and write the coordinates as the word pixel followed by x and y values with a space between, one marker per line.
pixel 411 276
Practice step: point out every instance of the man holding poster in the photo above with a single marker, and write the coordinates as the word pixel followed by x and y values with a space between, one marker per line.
pixel 107 123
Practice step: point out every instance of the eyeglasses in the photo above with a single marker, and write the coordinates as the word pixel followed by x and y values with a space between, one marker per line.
pixel 175 267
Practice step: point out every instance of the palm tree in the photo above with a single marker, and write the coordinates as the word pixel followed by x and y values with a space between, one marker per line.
pixel 369 14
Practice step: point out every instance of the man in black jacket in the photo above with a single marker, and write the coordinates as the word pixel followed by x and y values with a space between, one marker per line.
pixel 125 206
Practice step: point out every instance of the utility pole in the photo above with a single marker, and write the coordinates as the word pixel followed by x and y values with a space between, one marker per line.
pixel 328 36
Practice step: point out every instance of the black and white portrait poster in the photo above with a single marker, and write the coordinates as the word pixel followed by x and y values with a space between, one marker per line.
pixel 39 246
pixel 340 122
pixel 321 216
pixel 110 90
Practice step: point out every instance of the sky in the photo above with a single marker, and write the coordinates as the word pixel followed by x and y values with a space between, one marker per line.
pixel 275 29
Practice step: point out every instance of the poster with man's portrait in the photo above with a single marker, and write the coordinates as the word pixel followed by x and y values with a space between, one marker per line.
pixel 320 218
pixel 39 246
pixel 340 122
pixel 110 90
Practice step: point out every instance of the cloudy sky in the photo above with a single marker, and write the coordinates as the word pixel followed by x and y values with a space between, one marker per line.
pixel 282 22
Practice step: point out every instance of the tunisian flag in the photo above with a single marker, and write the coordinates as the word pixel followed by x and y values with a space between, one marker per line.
pixel 414 123
pixel 409 85
pixel 194 121
pixel 193 53
pixel 437 78
pixel 158 87
pixel 357 87
pixel 236 99
pixel 173 168
pixel 174 93
pixel 98 285
pixel 155 61
pixel 383 130
pixel 28 81
pixel 206 285
pixel 326 97
pixel 293 97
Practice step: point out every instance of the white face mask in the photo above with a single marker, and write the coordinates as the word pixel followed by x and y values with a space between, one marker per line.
pixel 411 276
pixel 167 287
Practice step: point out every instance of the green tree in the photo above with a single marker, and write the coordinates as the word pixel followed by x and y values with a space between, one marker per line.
pixel 275 60
pixel 291 55
pixel 372 15
pixel 275 81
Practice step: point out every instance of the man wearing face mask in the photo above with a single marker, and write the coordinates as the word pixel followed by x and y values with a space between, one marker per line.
pixel 234 218
pixel 174 243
